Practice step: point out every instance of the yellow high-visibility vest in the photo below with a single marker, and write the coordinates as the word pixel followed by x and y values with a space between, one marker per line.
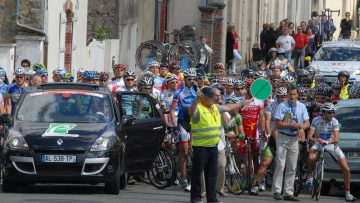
pixel 206 132
pixel 344 93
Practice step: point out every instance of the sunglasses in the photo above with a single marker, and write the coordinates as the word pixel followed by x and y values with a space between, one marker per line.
pixel 330 112
pixel 19 77
pixel 238 89
pixel 103 80
pixel 190 79
pixel 147 88
pixel 130 79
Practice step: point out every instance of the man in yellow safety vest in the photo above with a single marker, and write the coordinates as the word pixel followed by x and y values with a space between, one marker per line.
pixel 205 131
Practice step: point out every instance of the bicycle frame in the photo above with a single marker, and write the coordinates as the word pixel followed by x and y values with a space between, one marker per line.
pixel 318 174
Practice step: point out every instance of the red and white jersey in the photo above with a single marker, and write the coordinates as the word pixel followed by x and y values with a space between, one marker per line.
pixel 116 84
pixel 250 116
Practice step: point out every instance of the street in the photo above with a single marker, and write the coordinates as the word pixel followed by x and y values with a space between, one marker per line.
pixel 137 193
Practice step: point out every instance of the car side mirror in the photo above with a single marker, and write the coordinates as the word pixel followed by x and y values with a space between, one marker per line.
pixel 127 120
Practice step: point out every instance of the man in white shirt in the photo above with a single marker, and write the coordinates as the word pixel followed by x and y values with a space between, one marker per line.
pixel 286 42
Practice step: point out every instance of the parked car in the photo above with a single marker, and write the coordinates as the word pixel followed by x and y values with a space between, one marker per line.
pixel 80 133
pixel 335 56
pixel 348 114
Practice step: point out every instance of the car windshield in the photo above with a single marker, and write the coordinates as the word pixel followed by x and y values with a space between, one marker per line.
pixel 349 119
pixel 338 54
pixel 65 106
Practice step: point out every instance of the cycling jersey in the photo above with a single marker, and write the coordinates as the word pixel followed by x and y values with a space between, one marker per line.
pixel 158 83
pixel 115 84
pixel 185 97
pixel 14 93
pixel 166 100
pixel 125 88
pixel 236 120
pixel 4 88
pixel 250 114
pixel 228 95
pixel 324 129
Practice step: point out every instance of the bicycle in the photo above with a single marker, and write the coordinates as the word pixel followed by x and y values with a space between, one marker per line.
pixel 187 52
pixel 233 175
pixel 318 173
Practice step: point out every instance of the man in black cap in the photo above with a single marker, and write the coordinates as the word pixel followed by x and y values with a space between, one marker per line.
pixel 205 132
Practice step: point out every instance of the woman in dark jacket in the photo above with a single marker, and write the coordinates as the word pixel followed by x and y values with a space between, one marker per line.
pixel 229 48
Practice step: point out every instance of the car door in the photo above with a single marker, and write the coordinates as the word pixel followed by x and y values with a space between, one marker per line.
pixel 144 136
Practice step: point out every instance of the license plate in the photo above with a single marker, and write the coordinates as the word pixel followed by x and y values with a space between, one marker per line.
pixel 58 159
pixel 354 155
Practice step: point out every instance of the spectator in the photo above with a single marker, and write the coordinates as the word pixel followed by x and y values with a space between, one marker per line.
pixel 345 26
pixel 310 48
pixel 257 56
pixel 35 80
pixel 286 42
pixel 330 29
pixel 279 29
pixel 303 26
pixel 26 64
pixel 232 42
pixel 291 29
pixel 301 41
pixel 269 40
pixel 262 38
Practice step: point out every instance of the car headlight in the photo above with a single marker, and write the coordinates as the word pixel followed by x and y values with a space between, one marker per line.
pixel 103 143
pixel 356 72
pixel 15 140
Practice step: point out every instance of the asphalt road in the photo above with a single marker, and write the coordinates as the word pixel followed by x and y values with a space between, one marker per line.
pixel 138 193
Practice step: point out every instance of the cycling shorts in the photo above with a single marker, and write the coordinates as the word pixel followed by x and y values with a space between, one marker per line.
pixel 332 149
pixel 269 152
pixel 184 132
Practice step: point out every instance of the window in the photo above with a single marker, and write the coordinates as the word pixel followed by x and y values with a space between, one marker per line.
pixel 338 54
pixel 349 119
pixel 137 106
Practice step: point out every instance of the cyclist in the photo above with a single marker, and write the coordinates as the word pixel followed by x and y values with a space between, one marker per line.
pixel 89 77
pixel 303 78
pixel 252 114
pixel 13 93
pixel 239 90
pixel 336 89
pixel 283 62
pixel 320 98
pixel 43 74
pixel 58 73
pixel 354 91
pixel 130 82
pixel 219 69
pixel 167 98
pixel 160 80
pixel 303 95
pixel 4 82
pixel 154 67
pixel 184 97
pixel 319 79
pixel 325 129
pixel 35 80
pixel 67 77
pixel 175 68
pixel 343 77
pixel 104 79
pixel 79 73
pixel 229 82
pixel 269 152
pixel 118 80
pixel 200 79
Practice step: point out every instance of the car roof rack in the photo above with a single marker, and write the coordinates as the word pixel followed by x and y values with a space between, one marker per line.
pixel 69 85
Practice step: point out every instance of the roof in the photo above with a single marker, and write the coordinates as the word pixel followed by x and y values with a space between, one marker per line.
pixel 348 103
pixel 344 43
pixel 70 86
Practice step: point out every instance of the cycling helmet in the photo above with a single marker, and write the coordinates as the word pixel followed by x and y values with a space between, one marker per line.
pixel 201 75
pixel 311 70
pixel 319 76
pixel 42 73
pixel 38 66
pixel 302 72
pixel 59 71
pixel 247 72
pixel 273 67
pixel 154 64
pixel 323 91
pixel 190 72
pixel 327 107
pixel 67 77
pixel 272 50
pixel 232 100
pixel 146 81
pixel 171 77
pixel 30 72
pixel 288 78
pixel 119 65
pixel 149 74
pixel 219 66
pixel 238 83
pixel 323 85
pixel 104 76
pixel 81 70
pixel 20 71
pixel 229 81
pixel 130 73
pixel 344 73
pixel 336 85
pixel 260 74
pixel 164 65
pixel 2 72
pixel 281 91
pixel 354 91
pixel 281 51
pixel 303 92
pixel 91 75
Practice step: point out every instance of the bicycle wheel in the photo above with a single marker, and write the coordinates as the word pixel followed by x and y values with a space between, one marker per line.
pixel 319 179
pixel 298 179
pixel 187 52
pixel 163 171
pixel 233 177
pixel 315 186
pixel 189 166
pixel 150 50
pixel 204 55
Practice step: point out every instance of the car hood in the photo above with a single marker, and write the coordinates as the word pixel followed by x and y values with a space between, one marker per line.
pixel 45 136
pixel 336 66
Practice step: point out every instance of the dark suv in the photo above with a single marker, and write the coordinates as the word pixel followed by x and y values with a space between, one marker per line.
pixel 80 133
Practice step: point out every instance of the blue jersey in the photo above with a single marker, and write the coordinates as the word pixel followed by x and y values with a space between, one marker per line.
pixel 185 97
pixel 14 93
pixel 4 88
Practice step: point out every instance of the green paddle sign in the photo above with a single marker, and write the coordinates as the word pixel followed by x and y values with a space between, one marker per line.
pixel 261 89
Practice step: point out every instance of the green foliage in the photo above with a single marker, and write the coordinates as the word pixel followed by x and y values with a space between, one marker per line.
pixel 102 33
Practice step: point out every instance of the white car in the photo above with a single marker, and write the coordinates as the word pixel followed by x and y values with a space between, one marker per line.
pixel 336 56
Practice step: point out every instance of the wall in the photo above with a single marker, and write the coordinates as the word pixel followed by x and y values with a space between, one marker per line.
pixel 181 10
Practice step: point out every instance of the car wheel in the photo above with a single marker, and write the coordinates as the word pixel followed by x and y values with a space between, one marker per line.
pixel 9 186
pixel 123 181
pixel 113 187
